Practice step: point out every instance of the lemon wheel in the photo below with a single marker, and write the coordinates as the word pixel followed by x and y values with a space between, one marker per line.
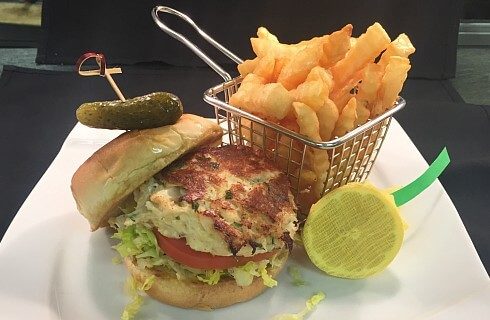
pixel 354 231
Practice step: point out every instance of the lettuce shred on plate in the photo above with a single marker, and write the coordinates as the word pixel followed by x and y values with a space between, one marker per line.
pixel 310 304
pixel 297 277
pixel 133 288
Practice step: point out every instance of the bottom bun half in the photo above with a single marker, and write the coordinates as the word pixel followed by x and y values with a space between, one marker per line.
pixel 198 295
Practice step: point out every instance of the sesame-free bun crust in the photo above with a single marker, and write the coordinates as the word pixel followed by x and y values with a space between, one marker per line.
pixel 198 295
pixel 113 172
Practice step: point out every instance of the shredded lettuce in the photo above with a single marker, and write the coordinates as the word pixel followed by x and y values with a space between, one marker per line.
pixel 268 281
pixel 148 283
pixel 132 308
pixel 211 277
pixel 116 260
pixel 140 242
pixel 244 275
pixel 133 288
pixel 297 277
pixel 310 304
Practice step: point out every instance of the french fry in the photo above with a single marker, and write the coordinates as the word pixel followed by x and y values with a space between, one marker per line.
pixel 367 47
pixel 289 122
pixel 336 46
pixel 307 121
pixel 327 114
pixel 252 79
pixel 260 46
pixel 272 101
pixel 263 33
pixel 401 46
pixel 317 160
pixel 347 118
pixel 368 91
pixel 362 112
pixel 247 66
pixel 264 43
pixel 267 43
pixel 289 148
pixel 306 196
pixel 315 41
pixel 352 41
pixel 308 178
pixel 391 84
pixel 265 67
pixel 309 196
pixel 278 65
pixel 243 97
pixel 246 131
pixel 296 70
pixel 340 96
pixel 319 185
pixel 320 73
pixel 371 81
pixel 237 99
pixel 312 93
pixel 258 135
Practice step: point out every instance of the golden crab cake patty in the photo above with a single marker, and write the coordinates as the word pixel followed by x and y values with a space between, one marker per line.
pixel 226 201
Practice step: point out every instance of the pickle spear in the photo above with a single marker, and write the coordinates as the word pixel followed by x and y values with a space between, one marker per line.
pixel 149 111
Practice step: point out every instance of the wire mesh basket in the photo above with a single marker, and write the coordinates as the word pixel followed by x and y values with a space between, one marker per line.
pixel 342 160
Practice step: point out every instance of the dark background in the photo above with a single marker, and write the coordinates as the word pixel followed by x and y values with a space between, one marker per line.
pixel 476 10
pixel 124 31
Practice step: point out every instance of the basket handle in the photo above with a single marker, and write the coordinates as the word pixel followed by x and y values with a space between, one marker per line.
pixel 174 34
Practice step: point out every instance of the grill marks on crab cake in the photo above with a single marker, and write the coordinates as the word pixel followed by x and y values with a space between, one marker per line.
pixel 245 196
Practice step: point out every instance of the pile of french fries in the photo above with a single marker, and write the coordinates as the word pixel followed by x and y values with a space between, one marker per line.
pixel 324 87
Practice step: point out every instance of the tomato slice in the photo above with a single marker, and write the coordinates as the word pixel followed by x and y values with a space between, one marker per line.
pixel 178 250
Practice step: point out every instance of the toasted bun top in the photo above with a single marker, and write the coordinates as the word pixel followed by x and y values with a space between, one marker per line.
pixel 113 172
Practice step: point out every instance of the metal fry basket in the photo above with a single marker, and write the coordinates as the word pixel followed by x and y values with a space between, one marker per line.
pixel 339 161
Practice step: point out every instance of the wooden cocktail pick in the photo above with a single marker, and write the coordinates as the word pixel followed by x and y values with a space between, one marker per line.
pixel 103 71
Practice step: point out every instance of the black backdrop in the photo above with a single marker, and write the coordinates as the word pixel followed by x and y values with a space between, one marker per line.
pixel 125 32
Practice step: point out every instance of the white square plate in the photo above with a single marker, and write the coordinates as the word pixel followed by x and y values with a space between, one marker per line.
pixel 53 267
